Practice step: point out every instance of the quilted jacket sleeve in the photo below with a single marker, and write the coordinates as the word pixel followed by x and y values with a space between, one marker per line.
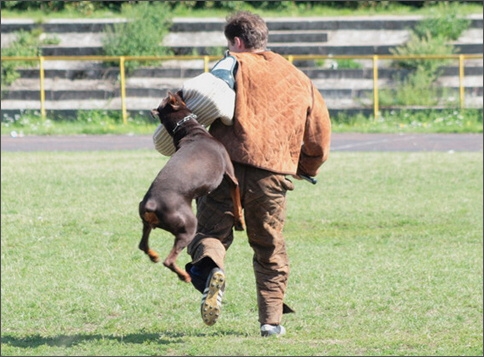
pixel 317 136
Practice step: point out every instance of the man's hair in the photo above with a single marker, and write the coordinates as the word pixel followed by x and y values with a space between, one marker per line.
pixel 249 27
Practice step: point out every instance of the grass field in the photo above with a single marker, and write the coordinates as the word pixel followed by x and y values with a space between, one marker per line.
pixel 386 257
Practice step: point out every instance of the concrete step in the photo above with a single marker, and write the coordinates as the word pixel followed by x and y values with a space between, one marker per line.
pixel 82 89
pixel 112 73
pixel 310 49
pixel 317 22
pixel 284 49
pixel 78 85
pixel 341 42
pixel 58 25
pixel 93 42
pixel 216 39
pixel 141 107
pixel 362 35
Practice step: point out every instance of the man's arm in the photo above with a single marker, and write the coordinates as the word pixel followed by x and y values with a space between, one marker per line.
pixel 317 137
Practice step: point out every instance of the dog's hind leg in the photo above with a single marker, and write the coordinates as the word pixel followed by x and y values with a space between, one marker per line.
pixel 184 229
pixel 143 244
pixel 170 261
pixel 150 220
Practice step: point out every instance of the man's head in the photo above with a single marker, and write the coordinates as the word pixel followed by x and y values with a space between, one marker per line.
pixel 246 32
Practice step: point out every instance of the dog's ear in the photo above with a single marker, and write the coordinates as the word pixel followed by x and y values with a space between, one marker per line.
pixel 175 101
pixel 172 100
pixel 170 97
pixel 154 113
pixel 179 93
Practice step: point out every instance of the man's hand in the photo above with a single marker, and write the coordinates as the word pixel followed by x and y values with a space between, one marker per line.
pixel 305 177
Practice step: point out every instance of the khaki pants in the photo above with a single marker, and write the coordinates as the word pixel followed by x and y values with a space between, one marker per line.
pixel 264 201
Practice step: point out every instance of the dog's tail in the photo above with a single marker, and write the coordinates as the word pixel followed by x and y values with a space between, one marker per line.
pixel 147 212
pixel 150 206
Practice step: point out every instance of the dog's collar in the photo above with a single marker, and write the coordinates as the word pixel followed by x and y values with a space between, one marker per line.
pixel 181 122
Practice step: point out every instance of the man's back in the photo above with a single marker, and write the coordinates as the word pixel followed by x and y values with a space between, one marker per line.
pixel 277 109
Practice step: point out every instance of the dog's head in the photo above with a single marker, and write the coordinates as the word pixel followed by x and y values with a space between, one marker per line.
pixel 171 110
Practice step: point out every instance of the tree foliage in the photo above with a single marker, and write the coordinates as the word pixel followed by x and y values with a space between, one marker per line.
pixel 85 7
pixel 141 35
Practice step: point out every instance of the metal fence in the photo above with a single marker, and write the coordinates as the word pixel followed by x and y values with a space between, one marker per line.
pixel 122 60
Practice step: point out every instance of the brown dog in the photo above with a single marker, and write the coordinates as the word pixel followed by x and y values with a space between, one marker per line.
pixel 195 169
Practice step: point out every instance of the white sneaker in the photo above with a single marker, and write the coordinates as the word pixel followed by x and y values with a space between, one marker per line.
pixel 272 330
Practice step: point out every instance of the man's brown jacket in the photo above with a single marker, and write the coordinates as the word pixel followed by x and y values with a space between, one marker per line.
pixel 281 122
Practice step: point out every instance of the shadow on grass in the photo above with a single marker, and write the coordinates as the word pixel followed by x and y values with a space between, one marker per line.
pixel 33 341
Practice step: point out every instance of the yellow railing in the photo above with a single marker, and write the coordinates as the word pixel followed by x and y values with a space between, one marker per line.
pixel 122 60
pixel 376 58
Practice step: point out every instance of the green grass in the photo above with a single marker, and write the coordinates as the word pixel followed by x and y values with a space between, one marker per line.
pixel 386 257
pixel 110 122
pixel 86 122
pixel 411 121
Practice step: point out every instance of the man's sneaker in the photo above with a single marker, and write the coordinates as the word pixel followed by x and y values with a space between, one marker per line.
pixel 212 296
pixel 272 330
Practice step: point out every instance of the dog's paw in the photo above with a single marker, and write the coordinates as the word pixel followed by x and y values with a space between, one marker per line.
pixel 239 226
pixel 184 277
pixel 154 257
